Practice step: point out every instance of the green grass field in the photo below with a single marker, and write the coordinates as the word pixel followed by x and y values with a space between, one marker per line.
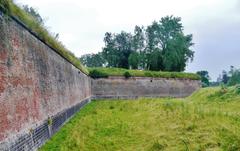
pixel 207 120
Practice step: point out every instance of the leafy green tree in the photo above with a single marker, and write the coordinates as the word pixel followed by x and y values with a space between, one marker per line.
pixel 167 38
pixel 123 42
pixel 93 60
pixel 225 77
pixel 133 60
pixel 162 46
pixel 204 78
pixel 155 60
pixel 232 70
pixel 153 52
pixel 34 13
pixel 235 77
pixel 138 39
pixel 138 44
pixel 177 53
pixel 110 53
pixel 117 49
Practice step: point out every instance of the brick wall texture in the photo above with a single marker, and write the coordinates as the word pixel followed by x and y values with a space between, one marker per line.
pixel 35 82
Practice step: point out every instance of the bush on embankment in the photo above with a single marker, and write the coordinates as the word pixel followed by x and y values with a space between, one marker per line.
pixel 105 72
pixel 8 7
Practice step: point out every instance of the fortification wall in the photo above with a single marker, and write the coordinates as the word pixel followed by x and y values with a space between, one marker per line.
pixel 35 83
pixel 40 90
pixel 134 87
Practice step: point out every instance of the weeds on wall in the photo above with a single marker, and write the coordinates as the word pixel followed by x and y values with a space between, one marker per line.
pixel 49 121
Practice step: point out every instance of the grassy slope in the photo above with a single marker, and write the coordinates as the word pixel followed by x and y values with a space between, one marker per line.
pixel 8 7
pixel 206 120
pixel 139 73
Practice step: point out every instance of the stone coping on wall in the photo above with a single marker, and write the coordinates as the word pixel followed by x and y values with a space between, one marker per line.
pixel 123 97
pixel 138 77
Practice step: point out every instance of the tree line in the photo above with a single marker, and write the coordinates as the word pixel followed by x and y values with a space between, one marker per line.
pixel 159 46
pixel 231 77
pixel 228 78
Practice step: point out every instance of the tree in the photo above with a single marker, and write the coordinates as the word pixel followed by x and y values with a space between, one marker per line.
pixel 38 18
pixel 204 78
pixel 153 52
pixel 123 42
pixel 166 37
pixel 110 53
pixel 138 39
pixel 117 49
pixel 138 46
pixel 155 60
pixel 232 70
pixel 234 76
pixel 177 53
pixel 225 77
pixel 133 60
pixel 34 13
pixel 93 60
pixel 161 46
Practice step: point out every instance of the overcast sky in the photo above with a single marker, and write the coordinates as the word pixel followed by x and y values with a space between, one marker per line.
pixel 215 25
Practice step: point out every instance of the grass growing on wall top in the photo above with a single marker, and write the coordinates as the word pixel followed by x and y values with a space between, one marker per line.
pixel 9 8
pixel 207 120
pixel 105 72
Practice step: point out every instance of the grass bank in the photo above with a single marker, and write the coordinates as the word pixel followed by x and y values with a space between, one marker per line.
pixel 105 72
pixel 11 9
pixel 208 120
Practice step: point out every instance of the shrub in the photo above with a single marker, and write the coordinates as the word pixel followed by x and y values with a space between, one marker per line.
pixel 127 75
pixel 49 121
pixel 111 107
pixel 96 74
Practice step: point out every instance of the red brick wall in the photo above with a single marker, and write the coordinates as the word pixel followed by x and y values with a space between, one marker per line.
pixel 35 82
